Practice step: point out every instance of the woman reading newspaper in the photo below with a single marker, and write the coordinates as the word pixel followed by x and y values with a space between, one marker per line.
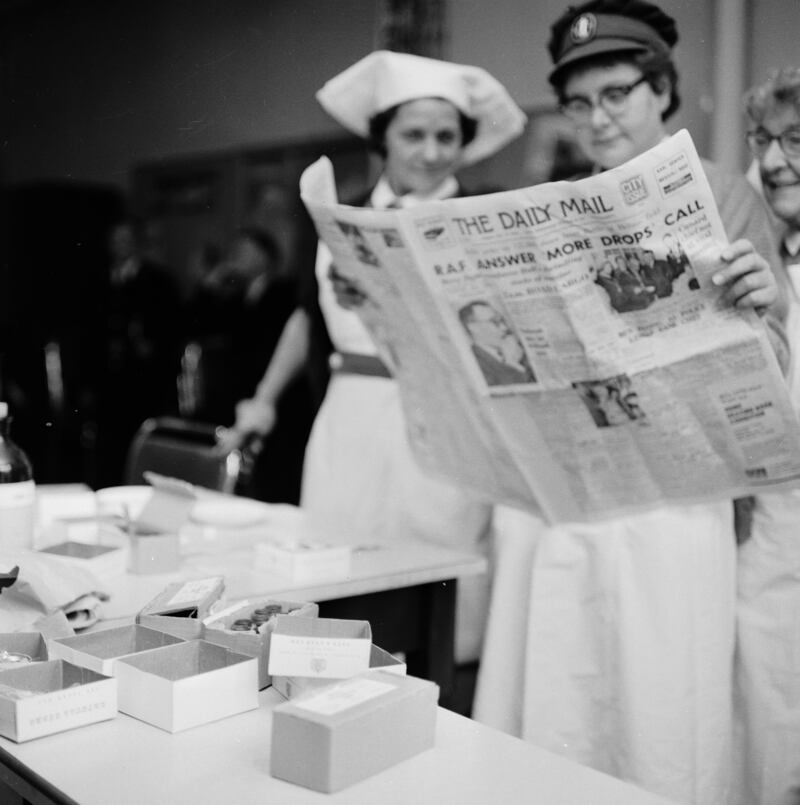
pixel 612 642
pixel 426 118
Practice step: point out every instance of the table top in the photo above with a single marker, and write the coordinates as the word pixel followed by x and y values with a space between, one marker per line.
pixel 373 569
pixel 129 762
pixel 224 550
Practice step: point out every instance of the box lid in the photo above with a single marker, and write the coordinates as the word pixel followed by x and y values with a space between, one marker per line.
pixel 182 596
pixel 328 648
pixel 168 507
pixel 349 698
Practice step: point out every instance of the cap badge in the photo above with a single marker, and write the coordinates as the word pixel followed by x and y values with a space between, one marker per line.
pixel 583 29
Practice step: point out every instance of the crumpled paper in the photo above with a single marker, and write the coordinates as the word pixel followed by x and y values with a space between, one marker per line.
pixel 44 587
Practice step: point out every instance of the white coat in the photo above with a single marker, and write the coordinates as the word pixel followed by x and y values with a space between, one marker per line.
pixel 767 678
pixel 360 475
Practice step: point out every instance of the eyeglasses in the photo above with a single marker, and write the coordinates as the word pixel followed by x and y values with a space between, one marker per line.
pixel 760 140
pixel 612 100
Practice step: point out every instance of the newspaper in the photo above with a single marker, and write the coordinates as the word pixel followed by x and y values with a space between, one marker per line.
pixel 562 347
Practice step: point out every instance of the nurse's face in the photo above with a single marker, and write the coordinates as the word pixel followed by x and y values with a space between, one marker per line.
pixel 423 145
pixel 614 132
pixel 780 175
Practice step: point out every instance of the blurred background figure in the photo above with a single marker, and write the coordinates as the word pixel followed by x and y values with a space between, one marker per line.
pixel 235 318
pixel 137 348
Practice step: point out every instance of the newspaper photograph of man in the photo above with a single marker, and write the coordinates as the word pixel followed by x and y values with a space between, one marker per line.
pixel 610 402
pixel 497 349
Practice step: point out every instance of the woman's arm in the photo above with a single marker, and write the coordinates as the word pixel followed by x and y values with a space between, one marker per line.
pixel 257 415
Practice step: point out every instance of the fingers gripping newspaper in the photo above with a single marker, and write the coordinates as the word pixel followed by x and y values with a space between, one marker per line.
pixel 562 347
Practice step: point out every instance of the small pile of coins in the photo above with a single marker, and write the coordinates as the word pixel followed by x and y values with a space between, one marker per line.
pixel 257 617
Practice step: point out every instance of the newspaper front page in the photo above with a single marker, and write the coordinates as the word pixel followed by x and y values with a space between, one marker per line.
pixel 562 347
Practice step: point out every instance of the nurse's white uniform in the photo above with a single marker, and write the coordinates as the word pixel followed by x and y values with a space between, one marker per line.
pixel 612 643
pixel 767 678
pixel 360 475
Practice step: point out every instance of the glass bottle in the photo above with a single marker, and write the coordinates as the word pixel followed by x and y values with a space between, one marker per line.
pixel 17 491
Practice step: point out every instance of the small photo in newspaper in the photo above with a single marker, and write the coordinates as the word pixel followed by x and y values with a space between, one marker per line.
pixel 496 347
pixel 636 278
pixel 358 241
pixel 611 402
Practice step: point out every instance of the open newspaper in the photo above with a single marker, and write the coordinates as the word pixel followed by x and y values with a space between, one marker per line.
pixel 562 347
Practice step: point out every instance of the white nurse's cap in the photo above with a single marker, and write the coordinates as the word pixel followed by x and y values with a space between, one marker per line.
pixel 384 79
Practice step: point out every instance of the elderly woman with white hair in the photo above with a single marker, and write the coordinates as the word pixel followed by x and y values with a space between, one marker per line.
pixel 427 119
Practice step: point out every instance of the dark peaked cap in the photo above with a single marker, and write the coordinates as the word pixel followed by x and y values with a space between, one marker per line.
pixel 607 26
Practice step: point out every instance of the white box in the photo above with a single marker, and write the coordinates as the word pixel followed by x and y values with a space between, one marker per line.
pixel 188 684
pixel 154 534
pixel 104 562
pixel 217 629
pixel 290 687
pixel 31 644
pixel 325 648
pixel 99 651
pixel 352 729
pixel 179 609
pixel 303 559
pixel 47 697
pixel 55 502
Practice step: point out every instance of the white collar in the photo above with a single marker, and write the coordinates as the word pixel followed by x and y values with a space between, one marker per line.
pixel 791 242
pixel 383 196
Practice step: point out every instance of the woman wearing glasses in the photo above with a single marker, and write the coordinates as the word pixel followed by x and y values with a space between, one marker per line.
pixel 767 671
pixel 626 656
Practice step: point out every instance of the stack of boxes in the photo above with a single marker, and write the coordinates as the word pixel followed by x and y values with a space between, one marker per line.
pixel 191 658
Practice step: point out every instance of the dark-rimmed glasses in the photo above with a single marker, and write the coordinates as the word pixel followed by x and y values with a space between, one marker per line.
pixel 760 140
pixel 612 100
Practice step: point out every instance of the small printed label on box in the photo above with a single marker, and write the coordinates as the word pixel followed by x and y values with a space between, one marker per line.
pixel 63 709
pixel 194 591
pixel 329 657
pixel 342 696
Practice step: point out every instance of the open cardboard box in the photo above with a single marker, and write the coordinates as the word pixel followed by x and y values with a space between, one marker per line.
pixel 47 697
pixel 290 687
pixel 255 643
pixel 99 651
pixel 179 609
pixel 154 534
pixel 303 559
pixel 105 562
pixel 187 684
pixel 350 730
pixel 31 644
pixel 323 648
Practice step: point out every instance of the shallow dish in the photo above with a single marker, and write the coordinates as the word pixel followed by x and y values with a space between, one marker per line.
pixel 233 513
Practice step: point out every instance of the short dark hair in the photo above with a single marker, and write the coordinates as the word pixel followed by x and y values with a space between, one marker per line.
pixel 467 313
pixel 380 122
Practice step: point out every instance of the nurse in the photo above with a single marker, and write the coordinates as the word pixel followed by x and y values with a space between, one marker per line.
pixel 612 643
pixel 427 119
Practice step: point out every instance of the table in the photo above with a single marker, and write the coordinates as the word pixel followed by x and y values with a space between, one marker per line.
pixel 405 589
pixel 129 762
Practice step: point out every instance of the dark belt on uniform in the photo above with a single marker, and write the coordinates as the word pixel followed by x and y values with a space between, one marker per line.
pixel 352 363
